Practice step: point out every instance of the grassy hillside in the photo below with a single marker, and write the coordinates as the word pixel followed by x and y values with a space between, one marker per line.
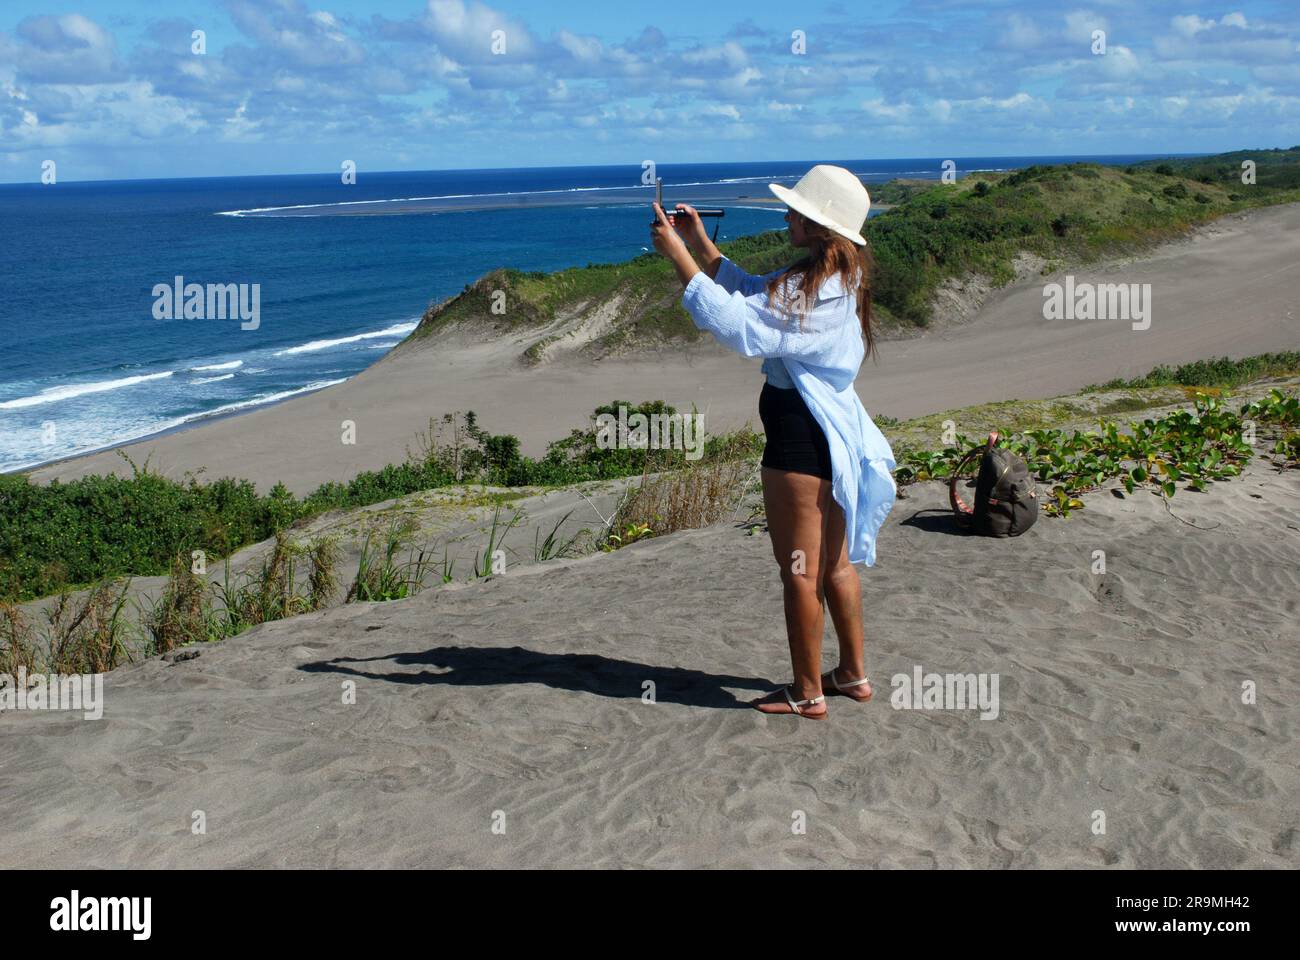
pixel 1274 170
pixel 1066 214
pixel 645 289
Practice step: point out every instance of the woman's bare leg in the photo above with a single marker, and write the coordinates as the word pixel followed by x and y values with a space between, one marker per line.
pixel 843 592
pixel 796 507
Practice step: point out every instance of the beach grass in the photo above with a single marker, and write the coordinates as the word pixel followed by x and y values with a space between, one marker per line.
pixel 89 634
pixel 699 494
pixel 68 535
pixel 1221 372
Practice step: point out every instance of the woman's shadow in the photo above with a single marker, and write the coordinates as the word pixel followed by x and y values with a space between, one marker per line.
pixel 575 672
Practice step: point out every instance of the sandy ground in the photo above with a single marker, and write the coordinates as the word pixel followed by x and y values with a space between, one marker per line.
pixel 1230 290
pixel 518 702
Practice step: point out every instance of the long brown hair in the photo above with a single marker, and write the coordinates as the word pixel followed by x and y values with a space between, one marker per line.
pixel 829 254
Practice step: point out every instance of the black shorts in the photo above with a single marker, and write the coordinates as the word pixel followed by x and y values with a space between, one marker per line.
pixel 795 440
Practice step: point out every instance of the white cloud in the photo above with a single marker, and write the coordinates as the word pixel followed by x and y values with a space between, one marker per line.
pixel 465 31
pixel 1190 24
pixel 298 76
pixel 65 49
pixel 881 110
pixel 1174 106
pixel 1079 25
pixel 720 110
pixel 582 48
pixel 1119 62
pixel 1021 33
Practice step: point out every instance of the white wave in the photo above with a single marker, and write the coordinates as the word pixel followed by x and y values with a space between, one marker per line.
pixel 384 346
pixel 55 394
pixel 397 330
pixel 141 431
pixel 226 376
pixel 445 196
pixel 503 193
pixel 258 401
pixel 767 179
pixel 233 364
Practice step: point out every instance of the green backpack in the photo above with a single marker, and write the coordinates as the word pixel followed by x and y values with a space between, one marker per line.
pixel 1006 500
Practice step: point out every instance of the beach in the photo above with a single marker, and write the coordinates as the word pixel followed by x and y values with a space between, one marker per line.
pixel 592 711
pixel 507 723
pixel 1223 291
pixel 374 497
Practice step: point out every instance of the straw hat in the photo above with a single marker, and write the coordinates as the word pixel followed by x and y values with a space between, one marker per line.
pixel 831 196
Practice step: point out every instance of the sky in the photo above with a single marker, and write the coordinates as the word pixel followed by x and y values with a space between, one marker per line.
pixel 116 89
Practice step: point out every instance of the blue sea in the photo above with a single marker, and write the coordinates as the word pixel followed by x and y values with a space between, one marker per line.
pixel 344 272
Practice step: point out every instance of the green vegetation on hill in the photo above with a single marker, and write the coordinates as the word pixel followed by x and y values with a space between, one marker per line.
pixel 65 535
pixel 897 191
pixel 1074 213
pixel 1275 170
pixel 650 311
pixel 1212 373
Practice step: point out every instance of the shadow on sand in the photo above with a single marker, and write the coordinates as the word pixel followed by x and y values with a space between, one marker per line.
pixel 588 673
pixel 943 522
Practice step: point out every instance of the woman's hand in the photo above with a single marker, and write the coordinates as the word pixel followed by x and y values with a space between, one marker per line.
pixel 691 227
pixel 664 237
pixel 667 242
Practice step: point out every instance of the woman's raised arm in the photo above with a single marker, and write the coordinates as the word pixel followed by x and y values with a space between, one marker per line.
pixel 733 279
pixel 753 328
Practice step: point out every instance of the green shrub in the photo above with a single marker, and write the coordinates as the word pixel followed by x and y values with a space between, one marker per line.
pixel 1190 449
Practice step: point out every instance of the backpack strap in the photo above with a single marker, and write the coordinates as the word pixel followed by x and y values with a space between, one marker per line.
pixel 960 507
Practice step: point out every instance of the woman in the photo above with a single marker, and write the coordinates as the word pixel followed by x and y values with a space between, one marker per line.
pixel 827 470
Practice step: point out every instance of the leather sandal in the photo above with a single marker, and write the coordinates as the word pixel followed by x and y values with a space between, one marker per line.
pixel 843 688
pixel 796 706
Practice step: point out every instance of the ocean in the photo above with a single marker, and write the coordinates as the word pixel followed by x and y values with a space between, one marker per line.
pixel 342 273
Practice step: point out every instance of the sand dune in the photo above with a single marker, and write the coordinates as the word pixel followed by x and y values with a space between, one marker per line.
pixel 521 698
pixel 1229 290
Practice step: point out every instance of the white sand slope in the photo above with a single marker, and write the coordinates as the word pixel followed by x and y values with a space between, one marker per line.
pixel 1230 290
pixel 1119 693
